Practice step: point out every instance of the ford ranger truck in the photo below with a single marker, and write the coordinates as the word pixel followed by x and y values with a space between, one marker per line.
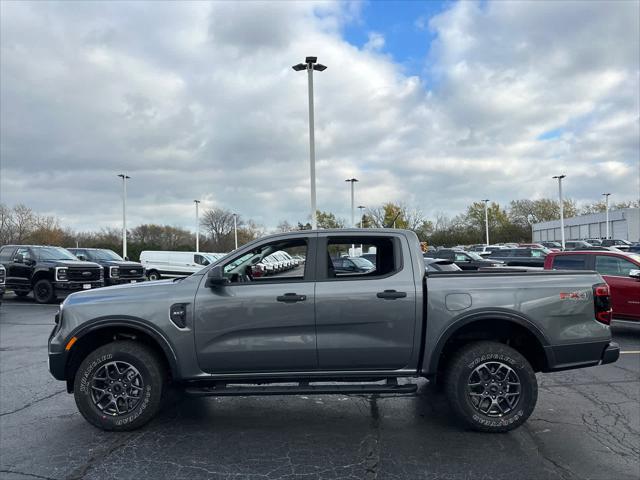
pixel 316 330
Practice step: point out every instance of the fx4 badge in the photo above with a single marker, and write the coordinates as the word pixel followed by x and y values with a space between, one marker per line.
pixel 573 295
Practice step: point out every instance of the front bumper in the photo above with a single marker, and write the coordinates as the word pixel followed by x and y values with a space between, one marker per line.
pixel 124 281
pixel 69 287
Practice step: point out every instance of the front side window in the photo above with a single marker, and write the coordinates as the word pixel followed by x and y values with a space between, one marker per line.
pixel 25 252
pixel 608 265
pixel 344 257
pixel 269 263
pixel 201 260
pixel 461 257
pixel 5 253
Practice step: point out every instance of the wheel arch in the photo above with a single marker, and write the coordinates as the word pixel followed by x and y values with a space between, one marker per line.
pixel 506 327
pixel 104 330
pixel 40 274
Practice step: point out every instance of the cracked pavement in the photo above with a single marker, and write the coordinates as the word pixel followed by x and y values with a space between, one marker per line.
pixel 586 426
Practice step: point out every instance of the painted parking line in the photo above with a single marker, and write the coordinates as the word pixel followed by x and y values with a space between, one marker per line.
pixel 633 352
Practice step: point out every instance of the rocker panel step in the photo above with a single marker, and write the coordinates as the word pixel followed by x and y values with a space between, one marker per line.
pixel 234 390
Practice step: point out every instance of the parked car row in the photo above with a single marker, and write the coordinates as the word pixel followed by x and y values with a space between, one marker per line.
pixel 51 272
pixel 275 263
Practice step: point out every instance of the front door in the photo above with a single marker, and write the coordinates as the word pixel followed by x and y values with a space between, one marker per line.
pixel 260 322
pixel 19 273
pixel 366 320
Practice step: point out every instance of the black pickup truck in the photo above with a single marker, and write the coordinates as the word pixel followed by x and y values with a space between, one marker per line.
pixel 116 269
pixel 49 272
pixel 520 257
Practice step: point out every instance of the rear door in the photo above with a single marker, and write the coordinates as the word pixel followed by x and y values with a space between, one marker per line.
pixel 625 291
pixel 365 320
pixel 19 273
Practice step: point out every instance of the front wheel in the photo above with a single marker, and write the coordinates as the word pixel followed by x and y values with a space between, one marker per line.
pixel 153 275
pixel 119 386
pixel 491 387
pixel 43 291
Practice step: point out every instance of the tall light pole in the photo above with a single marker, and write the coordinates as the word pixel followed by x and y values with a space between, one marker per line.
pixel 606 198
pixel 235 228
pixel 486 218
pixel 352 181
pixel 197 227
pixel 310 65
pixel 361 208
pixel 124 178
pixel 560 177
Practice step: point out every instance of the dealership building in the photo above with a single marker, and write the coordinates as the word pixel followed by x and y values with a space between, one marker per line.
pixel 623 224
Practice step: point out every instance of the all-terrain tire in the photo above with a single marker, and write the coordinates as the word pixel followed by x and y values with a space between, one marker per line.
pixel 486 401
pixel 43 291
pixel 133 370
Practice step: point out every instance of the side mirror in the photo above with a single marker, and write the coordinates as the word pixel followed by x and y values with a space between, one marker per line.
pixel 216 278
pixel 81 257
pixel 19 258
pixel 635 274
pixel 126 259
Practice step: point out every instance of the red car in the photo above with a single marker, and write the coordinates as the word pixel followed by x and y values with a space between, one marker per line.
pixel 620 270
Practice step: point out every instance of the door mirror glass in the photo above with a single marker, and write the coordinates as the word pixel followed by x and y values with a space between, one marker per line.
pixel 81 256
pixel 635 274
pixel 216 278
pixel 19 258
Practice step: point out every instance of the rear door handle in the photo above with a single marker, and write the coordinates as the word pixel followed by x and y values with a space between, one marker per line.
pixel 391 294
pixel 291 298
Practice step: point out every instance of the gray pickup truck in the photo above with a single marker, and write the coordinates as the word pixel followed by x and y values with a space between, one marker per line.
pixel 316 329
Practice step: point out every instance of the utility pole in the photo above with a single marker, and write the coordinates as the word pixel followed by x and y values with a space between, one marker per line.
pixel 235 228
pixel 310 64
pixel 486 219
pixel 124 178
pixel 606 197
pixel 197 227
pixel 560 177
pixel 352 181
pixel 361 208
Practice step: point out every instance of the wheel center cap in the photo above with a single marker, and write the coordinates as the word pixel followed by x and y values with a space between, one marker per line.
pixel 493 388
pixel 117 388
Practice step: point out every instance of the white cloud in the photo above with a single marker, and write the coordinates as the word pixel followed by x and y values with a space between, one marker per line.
pixel 199 100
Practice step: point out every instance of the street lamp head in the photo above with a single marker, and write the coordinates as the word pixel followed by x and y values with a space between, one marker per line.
pixel 606 194
pixel 299 67
pixel 559 176
pixel 361 207
pixel 352 180
pixel 485 200
pixel 311 59
pixel 196 201
pixel 319 67
pixel 123 176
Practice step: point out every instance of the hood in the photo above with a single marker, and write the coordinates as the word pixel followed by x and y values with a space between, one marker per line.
pixel 117 292
pixel 71 263
pixel 120 263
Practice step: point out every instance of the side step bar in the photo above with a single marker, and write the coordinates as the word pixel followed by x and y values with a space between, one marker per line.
pixel 226 390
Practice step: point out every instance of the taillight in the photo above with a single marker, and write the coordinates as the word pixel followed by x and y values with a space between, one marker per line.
pixel 602 303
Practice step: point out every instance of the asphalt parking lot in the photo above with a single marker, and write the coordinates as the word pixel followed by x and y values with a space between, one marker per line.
pixel 586 426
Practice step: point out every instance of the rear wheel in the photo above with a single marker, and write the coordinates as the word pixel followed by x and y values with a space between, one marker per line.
pixel 153 275
pixel 491 387
pixel 119 386
pixel 43 291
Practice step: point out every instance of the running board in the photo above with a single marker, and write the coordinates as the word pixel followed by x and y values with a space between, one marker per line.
pixel 302 388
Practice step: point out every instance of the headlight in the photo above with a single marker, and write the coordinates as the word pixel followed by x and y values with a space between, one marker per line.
pixel 61 274
pixel 114 272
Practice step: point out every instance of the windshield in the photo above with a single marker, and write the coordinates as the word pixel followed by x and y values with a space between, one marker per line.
pixel 54 253
pixel 361 262
pixel 104 255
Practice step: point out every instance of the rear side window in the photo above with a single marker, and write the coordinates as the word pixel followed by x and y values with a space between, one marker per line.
pixel 344 257
pixel 608 265
pixel 570 262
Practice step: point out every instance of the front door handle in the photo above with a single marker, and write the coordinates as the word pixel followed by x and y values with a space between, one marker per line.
pixel 291 298
pixel 391 294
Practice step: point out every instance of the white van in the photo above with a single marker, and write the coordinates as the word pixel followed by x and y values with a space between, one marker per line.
pixel 160 264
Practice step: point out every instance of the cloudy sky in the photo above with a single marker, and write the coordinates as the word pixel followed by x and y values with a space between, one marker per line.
pixel 432 104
